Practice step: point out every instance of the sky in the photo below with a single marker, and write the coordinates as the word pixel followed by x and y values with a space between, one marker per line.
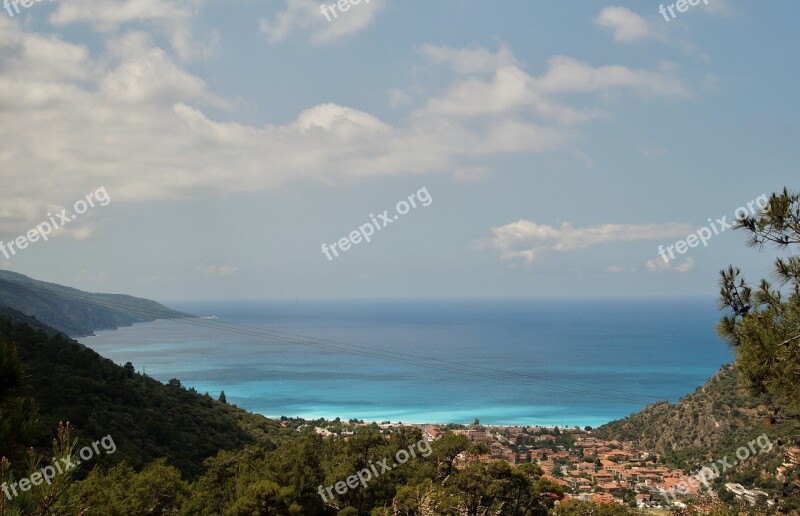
pixel 249 149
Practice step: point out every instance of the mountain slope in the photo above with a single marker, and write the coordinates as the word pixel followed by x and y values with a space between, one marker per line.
pixel 713 421
pixel 147 419
pixel 74 312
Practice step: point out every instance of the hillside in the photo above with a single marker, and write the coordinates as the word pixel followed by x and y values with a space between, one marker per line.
pixel 74 312
pixel 147 419
pixel 713 421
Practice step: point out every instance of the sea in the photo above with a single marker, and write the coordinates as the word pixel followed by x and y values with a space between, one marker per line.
pixel 566 362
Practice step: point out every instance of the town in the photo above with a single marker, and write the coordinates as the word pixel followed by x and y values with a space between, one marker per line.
pixel 586 467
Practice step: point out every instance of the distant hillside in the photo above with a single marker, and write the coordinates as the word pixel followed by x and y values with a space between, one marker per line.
pixel 147 419
pixel 713 421
pixel 74 312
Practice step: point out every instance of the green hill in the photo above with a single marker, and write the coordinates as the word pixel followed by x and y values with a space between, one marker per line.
pixel 74 312
pixel 147 419
pixel 700 420
pixel 712 422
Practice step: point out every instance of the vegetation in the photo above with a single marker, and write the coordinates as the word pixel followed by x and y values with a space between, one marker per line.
pixel 72 311
pixel 579 508
pixel 146 418
pixel 763 325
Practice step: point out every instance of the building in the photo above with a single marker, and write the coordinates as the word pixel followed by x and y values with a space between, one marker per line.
pixel 793 456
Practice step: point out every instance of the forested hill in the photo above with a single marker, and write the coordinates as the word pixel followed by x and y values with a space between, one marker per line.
pixel 714 420
pixel 74 312
pixel 147 419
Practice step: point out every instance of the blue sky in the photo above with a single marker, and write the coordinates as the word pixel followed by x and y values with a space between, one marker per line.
pixel 561 143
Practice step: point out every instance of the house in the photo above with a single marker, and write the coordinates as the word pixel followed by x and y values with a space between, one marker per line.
pixel 793 456
pixel 752 496
pixel 603 498
pixel 601 476
pixel 431 433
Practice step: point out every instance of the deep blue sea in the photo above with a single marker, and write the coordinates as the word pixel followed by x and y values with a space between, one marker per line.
pixel 564 362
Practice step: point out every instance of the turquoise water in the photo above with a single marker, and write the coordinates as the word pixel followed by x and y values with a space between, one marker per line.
pixel 565 362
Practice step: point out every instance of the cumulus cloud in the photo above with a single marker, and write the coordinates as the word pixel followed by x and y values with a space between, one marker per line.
pixel 172 19
pixel 136 121
pixel 470 60
pixel 628 26
pixel 306 16
pixel 512 90
pixel 527 240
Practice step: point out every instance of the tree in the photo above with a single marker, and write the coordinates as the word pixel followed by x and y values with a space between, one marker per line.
pixel 763 324
pixel 44 497
pixel 580 508
pixel 157 489
pixel 222 397
pixel 445 451
pixel 497 488
pixel 18 413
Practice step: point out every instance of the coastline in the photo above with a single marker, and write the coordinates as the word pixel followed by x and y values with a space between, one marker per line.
pixel 418 423
pixel 504 363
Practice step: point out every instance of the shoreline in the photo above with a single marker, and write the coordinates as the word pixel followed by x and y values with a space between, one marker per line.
pixel 409 423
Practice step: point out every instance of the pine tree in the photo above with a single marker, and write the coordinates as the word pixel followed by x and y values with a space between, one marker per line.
pixel 17 412
pixel 763 324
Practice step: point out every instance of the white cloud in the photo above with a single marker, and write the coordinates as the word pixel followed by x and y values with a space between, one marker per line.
pixel 151 77
pixel 306 16
pixel 526 239
pixel 399 98
pixel 615 269
pixel 568 75
pixel 686 266
pixel 470 60
pixel 135 121
pixel 109 15
pixel 81 232
pixel 170 18
pixel 627 26
pixel 471 174
pixel 659 265
pixel 210 271
pixel 512 90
